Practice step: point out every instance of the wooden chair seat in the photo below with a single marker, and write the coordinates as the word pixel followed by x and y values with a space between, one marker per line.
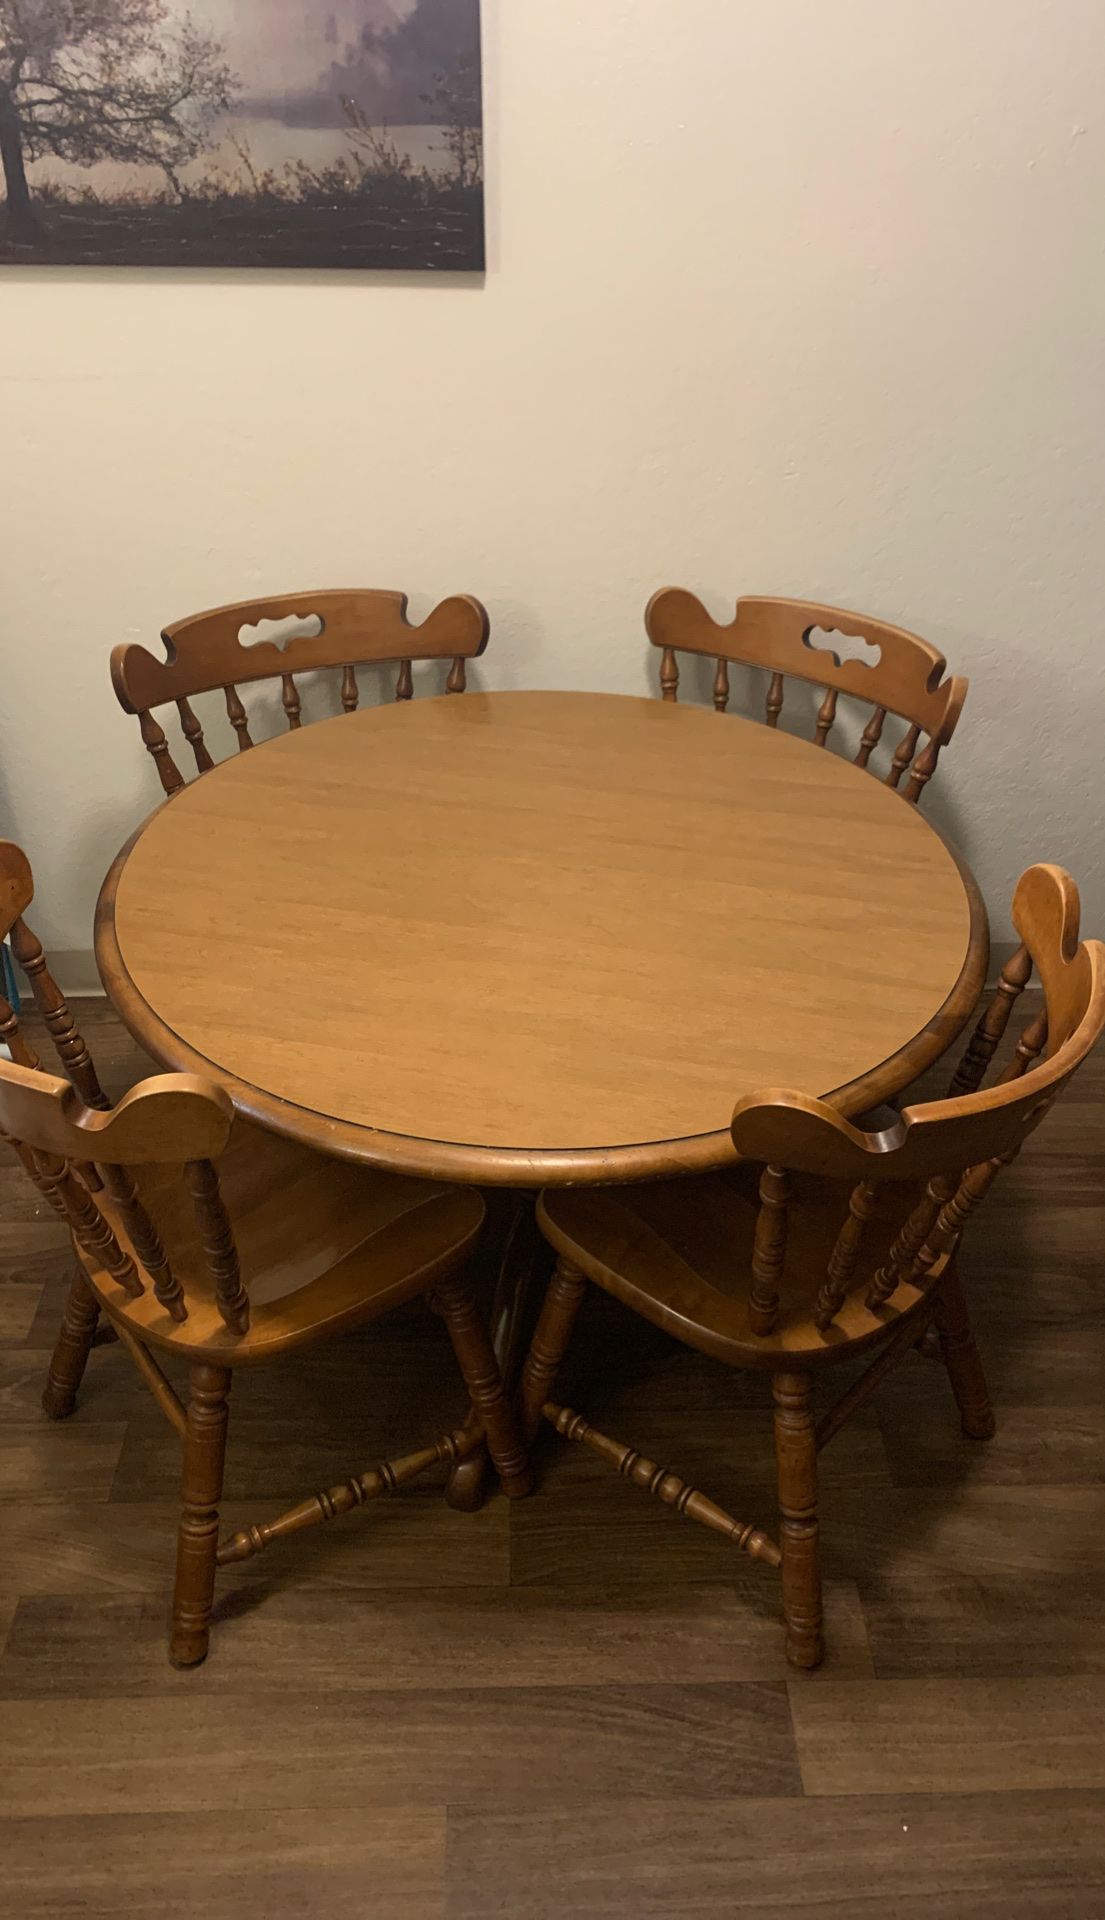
pixel 363 1243
pixel 687 1267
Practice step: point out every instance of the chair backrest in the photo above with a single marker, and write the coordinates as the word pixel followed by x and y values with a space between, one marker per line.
pixel 205 653
pixel 75 1146
pixel 905 677
pixel 172 1119
pixel 957 1145
pixel 16 893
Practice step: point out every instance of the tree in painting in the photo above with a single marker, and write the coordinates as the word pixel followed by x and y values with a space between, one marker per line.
pixel 241 132
pixel 89 80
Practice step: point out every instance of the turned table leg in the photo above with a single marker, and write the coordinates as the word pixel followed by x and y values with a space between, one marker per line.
pixel 550 1343
pixel 522 1262
pixel 477 1362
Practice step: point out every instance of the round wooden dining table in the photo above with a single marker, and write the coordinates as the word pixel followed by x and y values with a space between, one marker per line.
pixel 520 939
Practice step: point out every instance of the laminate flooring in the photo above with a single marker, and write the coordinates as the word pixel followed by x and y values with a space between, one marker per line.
pixel 577 1706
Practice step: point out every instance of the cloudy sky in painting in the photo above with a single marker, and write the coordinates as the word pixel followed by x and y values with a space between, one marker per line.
pixel 303 53
pixel 283 45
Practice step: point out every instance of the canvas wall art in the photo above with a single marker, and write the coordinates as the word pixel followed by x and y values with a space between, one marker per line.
pixel 242 133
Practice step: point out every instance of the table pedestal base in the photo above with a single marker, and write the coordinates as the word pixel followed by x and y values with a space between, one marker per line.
pixel 522 1264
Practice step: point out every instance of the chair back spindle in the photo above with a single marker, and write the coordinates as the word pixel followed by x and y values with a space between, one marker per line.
pixel 903 755
pixel 90 1227
pixel 914 1233
pixel 773 705
pixel 156 743
pixel 1028 1049
pixel 13 1037
pixel 988 1035
pixel 769 1248
pixel 68 1042
pixel 238 718
pixel 721 686
pixel 922 771
pixel 845 1254
pixel 953 1216
pixel 218 1245
pixel 826 714
pixel 47 1188
pixel 193 733
pixel 146 1241
pixel 871 735
pixel 211 652
pixel 290 701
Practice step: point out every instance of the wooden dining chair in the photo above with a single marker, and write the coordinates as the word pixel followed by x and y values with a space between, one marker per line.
pixel 824 1243
pixel 223 649
pixel 228 1247
pixel 793 639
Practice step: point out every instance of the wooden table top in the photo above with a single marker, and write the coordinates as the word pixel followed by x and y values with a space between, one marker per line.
pixel 531 937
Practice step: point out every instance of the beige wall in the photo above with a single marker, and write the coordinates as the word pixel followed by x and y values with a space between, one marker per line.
pixel 785 296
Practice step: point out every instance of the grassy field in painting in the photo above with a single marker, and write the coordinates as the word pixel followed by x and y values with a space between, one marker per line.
pixel 437 227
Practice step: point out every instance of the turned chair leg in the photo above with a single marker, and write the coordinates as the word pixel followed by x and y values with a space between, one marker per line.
pixel 78 1328
pixel 961 1357
pixel 198 1535
pixel 552 1334
pixel 796 1464
pixel 476 1359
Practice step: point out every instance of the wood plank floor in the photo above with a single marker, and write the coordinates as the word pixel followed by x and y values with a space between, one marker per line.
pixel 578 1707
